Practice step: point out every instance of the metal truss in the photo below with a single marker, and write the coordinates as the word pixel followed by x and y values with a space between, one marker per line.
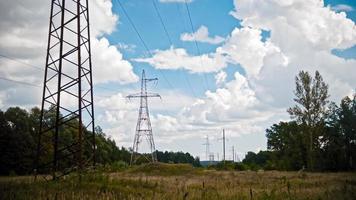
pixel 143 127
pixel 67 110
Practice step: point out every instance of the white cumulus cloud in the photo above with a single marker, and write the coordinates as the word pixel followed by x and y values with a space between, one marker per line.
pixel 302 35
pixel 342 7
pixel 23 32
pixel 201 35
pixel 178 58
pixel 110 64
pixel 245 47
pixel 220 77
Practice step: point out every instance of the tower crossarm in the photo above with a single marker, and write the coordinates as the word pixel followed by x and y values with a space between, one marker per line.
pixel 150 79
pixel 139 95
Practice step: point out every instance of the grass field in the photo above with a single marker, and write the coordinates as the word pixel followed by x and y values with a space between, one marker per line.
pixel 164 181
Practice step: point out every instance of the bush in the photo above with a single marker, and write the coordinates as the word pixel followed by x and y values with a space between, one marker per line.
pixel 119 166
pixel 164 169
pixel 229 165
pixel 241 167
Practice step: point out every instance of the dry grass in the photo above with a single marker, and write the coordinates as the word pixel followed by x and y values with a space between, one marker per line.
pixel 153 183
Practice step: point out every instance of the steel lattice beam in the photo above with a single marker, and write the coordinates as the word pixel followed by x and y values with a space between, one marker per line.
pixel 143 127
pixel 67 107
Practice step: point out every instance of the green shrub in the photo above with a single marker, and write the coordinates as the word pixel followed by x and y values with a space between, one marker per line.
pixel 119 166
pixel 164 169
pixel 241 167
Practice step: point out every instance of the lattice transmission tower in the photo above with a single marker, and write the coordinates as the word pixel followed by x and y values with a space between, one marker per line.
pixel 207 148
pixel 66 139
pixel 143 127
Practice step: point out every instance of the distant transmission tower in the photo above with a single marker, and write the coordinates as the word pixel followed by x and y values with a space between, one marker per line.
pixel 233 153
pixel 223 139
pixel 143 127
pixel 211 157
pixel 207 148
pixel 67 110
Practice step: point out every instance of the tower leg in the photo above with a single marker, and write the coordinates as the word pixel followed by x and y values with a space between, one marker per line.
pixel 68 75
pixel 143 127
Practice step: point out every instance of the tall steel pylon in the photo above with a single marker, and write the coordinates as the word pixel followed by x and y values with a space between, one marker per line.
pixel 143 127
pixel 67 110
pixel 223 139
pixel 207 148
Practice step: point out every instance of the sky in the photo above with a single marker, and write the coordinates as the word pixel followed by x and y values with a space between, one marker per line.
pixel 230 65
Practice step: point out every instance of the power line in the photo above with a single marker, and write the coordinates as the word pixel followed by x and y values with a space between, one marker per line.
pixel 134 27
pixel 184 27
pixel 192 27
pixel 160 18
pixel 195 41
pixel 142 41
pixel 18 61
pixel 179 10
pixel 38 86
pixel 33 66
pixel 171 44
pixel 19 82
pixel 38 68
pixel 106 88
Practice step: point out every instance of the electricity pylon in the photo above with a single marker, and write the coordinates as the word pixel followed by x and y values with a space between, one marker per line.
pixel 143 127
pixel 233 153
pixel 207 148
pixel 67 110
pixel 223 139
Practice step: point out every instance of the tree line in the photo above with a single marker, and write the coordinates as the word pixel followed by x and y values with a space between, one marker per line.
pixel 19 135
pixel 320 136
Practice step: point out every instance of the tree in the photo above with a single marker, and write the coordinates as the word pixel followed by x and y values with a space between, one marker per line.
pixel 177 157
pixel 5 142
pixel 332 150
pixel 286 140
pixel 256 161
pixel 347 116
pixel 339 139
pixel 18 147
pixel 19 137
pixel 312 99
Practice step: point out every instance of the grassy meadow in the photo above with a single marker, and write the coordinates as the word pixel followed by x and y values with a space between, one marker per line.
pixel 180 181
